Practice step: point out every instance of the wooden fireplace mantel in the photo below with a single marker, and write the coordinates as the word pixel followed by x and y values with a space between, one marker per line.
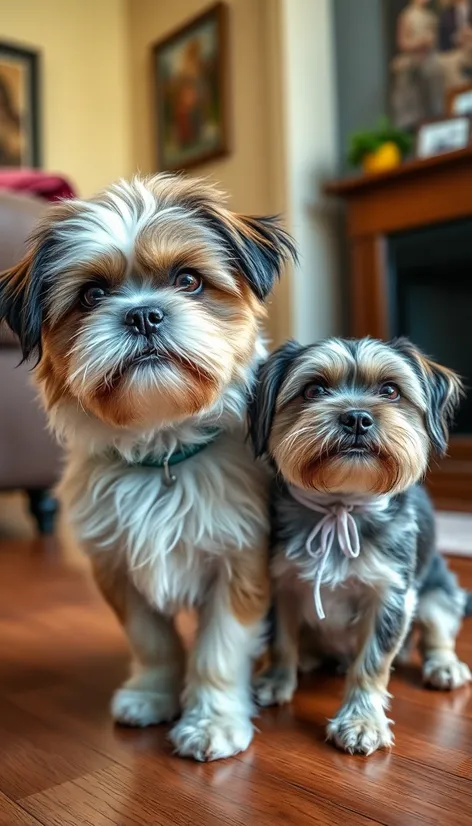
pixel 384 202
pixel 406 169
pixel 417 194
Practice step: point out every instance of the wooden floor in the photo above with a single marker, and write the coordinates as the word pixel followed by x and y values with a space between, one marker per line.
pixel 63 763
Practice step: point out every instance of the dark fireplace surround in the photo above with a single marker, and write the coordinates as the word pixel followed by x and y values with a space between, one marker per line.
pixel 410 250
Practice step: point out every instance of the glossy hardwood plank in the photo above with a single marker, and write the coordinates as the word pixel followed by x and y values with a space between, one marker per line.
pixel 440 734
pixel 11 814
pixel 35 755
pixel 387 787
pixel 229 794
pixel 63 762
pixel 148 754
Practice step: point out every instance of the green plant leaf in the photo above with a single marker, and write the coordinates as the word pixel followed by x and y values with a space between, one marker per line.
pixel 364 142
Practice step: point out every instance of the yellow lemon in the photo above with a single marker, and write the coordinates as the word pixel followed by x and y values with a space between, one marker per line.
pixel 387 156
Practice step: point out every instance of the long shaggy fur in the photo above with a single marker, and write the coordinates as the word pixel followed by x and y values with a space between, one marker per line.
pixel 118 391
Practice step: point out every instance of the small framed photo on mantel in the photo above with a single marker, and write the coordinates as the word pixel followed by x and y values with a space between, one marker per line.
pixel 459 100
pixel 438 137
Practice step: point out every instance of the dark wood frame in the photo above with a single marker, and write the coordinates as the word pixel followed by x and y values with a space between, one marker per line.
pixel 34 59
pixel 417 194
pixel 219 12
pixel 451 96
pixel 433 121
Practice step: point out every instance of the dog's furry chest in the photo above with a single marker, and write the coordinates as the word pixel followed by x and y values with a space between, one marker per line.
pixel 337 634
pixel 348 583
pixel 171 540
pixel 372 569
pixel 175 580
pixel 345 600
pixel 348 588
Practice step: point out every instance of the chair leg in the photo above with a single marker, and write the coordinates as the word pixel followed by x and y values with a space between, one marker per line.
pixel 43 508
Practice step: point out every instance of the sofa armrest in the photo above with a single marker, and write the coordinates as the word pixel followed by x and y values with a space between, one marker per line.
pixel 29 455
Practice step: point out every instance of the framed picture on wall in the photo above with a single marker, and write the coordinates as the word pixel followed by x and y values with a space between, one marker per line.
pixel 19 106
pixel 429 47
pixel 191 91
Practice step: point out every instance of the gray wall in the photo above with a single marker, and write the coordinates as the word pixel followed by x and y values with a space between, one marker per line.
pixel 361 65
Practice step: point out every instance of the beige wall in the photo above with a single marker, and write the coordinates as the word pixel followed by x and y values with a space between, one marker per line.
pixel 85 100
pixel 247 173
pixel 98 116
pixel 310 158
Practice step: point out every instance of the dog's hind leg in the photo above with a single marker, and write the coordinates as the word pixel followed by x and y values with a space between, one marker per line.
pixel 441 608
pixel 152 693
pixel 277 684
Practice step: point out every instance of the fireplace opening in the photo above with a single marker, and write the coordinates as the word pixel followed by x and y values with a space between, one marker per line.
pixel 430 291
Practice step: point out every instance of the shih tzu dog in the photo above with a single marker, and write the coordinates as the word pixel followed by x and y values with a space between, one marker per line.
pixel 349 427
pixel 143 309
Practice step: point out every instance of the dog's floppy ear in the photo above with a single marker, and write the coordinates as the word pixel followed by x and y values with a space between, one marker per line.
pixel 264 399
pixel 24 287
pixel 257 247
pixel 443 389
pixel 22 296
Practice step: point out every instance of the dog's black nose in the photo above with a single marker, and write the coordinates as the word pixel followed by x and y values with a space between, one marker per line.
pixel 144 320
pixel 356 421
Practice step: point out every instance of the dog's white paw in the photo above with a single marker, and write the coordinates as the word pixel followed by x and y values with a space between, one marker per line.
pixel 134 707
pixel 211 738
pixel 275 687
pixel 445 674
pixel 360 733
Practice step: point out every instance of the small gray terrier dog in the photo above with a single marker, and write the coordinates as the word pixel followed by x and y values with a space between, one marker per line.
pixel 349 427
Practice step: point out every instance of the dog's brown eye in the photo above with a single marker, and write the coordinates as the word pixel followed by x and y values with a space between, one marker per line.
pixel 92 296
pixel 188 282
pixel 314 391
pixel 390 391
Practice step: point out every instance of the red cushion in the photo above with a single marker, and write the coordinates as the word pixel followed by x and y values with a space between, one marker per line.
pixel 45 185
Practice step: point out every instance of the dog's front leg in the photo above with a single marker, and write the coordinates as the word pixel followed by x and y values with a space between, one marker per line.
pixel 152 693
pixel 217 699
pixel 361 724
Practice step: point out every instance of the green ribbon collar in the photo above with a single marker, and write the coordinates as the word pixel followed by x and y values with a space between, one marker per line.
pixel 178 456
pixel 168 460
